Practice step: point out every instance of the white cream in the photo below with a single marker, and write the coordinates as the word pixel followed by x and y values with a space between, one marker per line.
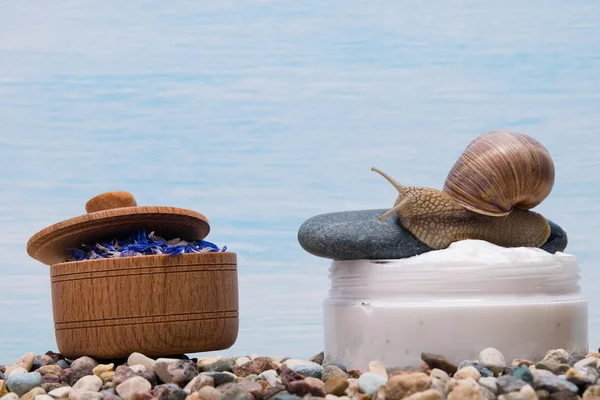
pixel 454 302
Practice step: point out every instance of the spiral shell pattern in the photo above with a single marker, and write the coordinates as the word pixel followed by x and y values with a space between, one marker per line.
pixel 499 171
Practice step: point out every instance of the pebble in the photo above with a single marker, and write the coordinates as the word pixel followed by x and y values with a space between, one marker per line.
pixel 439 362
pixel 87 395
pixel 523 373
pixel 52 370
pixel 122 373
pixel 377 368
pixel 592 393
pixel 337 364
pixel 32 393
pixel 489 383
pixel 266 378
pixel 352 235
pixel 17 371
pixel 23 383
pixel 313 386
pixel 508 383
pixel 492 359
pixel 559 356
pixel 26 361
pixel 336 386
pixel 208 360
pixel 63 364
pixel 241 361
pixel 483 371
pixel 369 382
pixel 182 371
pixel 255 366
pixel 236 392
pixel 587 362
pixel 161 366
pixel 128 388
pixel 467 372
pixel 209 393
pixel 221 365
pixel 400 386
pixel 272 378
pixel 84 363
pixel 199 382
pixel 60 392
pixel 100 368
pixel 553 383
pixel 305 367
pixel 220 377
pixel 140 359
pixel 88 383
pixel 553 366
pixel 333 370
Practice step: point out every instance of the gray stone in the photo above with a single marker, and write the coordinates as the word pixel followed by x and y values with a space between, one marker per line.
pixel 23 383
pixel 306 368
pixel 553 383
pixel 354 235
pixel 489 383
pixel 221 365
pixel 220 377
pixel 508 383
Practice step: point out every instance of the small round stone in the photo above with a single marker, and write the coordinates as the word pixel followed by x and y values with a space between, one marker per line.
pixel 89 383
pixel 468 372
pixel 492 359
pixel 133 385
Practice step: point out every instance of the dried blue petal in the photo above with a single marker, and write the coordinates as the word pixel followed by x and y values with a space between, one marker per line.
pixel 141 244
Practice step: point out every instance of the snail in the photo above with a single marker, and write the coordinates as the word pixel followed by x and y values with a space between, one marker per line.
pixel 488 195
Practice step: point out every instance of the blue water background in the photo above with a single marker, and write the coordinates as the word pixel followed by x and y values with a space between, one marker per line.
pixel 261 114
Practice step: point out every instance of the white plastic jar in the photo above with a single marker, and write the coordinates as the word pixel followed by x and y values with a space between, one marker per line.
pixel 454 302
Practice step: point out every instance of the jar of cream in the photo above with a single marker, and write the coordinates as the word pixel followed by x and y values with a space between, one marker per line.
pixel 454 302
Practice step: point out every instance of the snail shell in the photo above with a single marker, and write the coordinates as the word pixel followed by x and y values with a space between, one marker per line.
pixel 499 171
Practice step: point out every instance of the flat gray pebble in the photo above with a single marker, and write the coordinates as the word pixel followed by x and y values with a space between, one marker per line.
pixel 508 383
pixel 553 383
pixel 316 371
pixel 23 383
pixel 220 377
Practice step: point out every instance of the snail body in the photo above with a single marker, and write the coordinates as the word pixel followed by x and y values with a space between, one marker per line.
pixel 487 195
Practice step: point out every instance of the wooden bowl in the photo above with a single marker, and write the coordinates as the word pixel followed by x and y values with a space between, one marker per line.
pixel 158 305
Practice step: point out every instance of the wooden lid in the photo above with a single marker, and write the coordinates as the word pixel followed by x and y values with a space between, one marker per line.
pixel 114 215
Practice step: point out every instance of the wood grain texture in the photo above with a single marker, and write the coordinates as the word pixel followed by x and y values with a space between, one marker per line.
pixel 156 305
pixel 51 245
pixel 109 200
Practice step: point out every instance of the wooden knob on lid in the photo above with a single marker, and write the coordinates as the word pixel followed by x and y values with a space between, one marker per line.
pixel 109 201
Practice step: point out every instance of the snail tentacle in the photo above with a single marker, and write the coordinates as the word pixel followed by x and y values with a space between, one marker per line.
pixel 394 210
pixel 394 182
